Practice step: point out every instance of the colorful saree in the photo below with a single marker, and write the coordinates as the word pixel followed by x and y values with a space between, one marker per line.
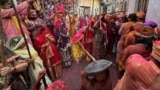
pixel 49 53
pixel 22 51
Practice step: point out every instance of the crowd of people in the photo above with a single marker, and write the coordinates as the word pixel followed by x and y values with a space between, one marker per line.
pixel 138 54
pixel 56 36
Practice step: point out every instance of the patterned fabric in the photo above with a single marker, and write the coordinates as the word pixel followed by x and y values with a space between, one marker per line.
pixel 64 46
pixel 156 50
pixel 98 45
pixel 77 52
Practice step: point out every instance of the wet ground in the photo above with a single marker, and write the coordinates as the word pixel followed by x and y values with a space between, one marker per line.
pixel 71 76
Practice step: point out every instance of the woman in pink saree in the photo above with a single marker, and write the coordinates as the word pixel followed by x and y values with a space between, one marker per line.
pixel 44 43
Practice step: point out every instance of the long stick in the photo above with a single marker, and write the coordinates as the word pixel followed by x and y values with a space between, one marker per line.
pixel 92 7
pixel 87 52
pixel 23 34
pixel 2 52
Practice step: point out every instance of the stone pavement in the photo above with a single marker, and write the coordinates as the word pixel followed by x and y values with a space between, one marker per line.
pixel 71 75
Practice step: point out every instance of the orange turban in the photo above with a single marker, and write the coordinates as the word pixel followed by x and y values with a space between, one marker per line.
pixel 141 15
pixel 144 31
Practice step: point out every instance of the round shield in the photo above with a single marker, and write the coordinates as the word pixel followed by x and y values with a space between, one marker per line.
pixel 97 66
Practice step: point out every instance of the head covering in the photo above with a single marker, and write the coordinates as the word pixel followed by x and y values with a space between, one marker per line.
pixel 141 15
pixel 90 21
pixel 97 66
pixel 157 32
pixel 60 8
pixel 15 42
pixel 156 50
pixel 78 36
pixel 57 85
pixel 143 30
pixel 151 24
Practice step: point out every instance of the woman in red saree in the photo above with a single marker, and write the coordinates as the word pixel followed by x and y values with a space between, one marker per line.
pixel 44 43
pixel 88 39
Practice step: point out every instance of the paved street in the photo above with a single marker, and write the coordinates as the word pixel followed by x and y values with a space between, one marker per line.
pixel 72 78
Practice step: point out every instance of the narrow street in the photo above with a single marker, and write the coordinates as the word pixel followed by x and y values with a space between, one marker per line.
pixel 71 76
pixel 39 37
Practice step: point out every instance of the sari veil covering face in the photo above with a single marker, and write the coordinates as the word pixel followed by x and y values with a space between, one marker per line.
pixel 49 53
pixel 17 45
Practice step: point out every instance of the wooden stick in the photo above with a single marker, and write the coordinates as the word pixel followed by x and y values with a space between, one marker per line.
pixel 2 52
pixel 87 52
pixel 23 34
pixel 92 7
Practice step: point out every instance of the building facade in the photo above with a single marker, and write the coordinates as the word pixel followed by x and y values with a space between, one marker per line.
pixel 153 12
pixel 114 6
pixel 88 7
pixel 150 7
pixel 137 5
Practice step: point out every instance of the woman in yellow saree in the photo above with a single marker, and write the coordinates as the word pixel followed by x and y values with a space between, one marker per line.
pixel 77 51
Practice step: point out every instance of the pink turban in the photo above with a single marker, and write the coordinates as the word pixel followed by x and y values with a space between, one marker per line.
pixel 60 8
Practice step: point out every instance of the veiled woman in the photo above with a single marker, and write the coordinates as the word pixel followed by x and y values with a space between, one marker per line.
pixel 17 45
pixel 44 44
